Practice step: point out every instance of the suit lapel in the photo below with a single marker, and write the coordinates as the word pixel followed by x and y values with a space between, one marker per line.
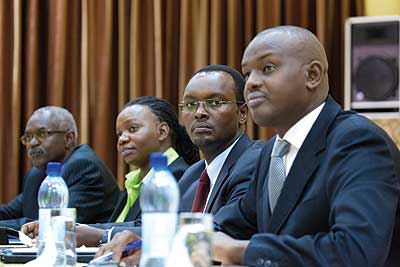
pixel 134 211
pixel 189 190
pixel 301 171
pixel 241 145
pixel 119 207
pixel 304 165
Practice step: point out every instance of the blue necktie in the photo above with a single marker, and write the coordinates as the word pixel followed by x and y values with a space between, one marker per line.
pixel 277 173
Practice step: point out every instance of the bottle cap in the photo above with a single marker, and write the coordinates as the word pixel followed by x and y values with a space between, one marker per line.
pixel 157 159
pixel 53 168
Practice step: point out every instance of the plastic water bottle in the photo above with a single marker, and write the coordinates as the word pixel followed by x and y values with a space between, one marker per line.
pixel 159 202
pixel 53 192
pixel 52 196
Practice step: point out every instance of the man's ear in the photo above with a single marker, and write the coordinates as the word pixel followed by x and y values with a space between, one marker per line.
pixel 163 131
pixel 243 114
pixel 315 72
pixel 69 139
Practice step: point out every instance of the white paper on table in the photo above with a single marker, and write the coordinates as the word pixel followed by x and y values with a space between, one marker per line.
pixel 33 250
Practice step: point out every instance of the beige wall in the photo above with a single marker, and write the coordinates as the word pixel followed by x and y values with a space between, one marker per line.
pixel 392 127
pixel 382 7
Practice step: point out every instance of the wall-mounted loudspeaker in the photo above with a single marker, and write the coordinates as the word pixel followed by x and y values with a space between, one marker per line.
pixel 372 68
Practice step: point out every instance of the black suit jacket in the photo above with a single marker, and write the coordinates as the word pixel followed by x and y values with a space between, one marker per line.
pixel 177 167
pixel 232 180
pixel 92 191
pixel 337 206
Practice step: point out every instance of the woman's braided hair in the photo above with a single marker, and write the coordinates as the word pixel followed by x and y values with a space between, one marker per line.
pixel 180 139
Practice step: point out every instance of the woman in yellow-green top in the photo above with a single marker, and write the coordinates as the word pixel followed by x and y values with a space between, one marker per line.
pixel 149 124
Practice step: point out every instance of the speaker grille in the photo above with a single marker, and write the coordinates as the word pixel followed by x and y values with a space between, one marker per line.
pixel 377 78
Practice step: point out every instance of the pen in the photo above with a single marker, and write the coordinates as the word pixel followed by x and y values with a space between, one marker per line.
pixel 108 256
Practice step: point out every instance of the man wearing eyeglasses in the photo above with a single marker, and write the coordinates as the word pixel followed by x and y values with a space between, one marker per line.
pixel 214 114
pixel 51 135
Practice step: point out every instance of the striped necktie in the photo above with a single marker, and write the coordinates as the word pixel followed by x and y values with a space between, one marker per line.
pixel 277 173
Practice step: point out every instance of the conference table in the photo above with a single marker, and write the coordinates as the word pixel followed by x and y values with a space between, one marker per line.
pixel 2 264
pixel 22 249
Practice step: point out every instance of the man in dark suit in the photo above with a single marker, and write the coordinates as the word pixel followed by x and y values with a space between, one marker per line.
pixel 219 133
pixel 326 189
pixel 51 135
pixel 214 115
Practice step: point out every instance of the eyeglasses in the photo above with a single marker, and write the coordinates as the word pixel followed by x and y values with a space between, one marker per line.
pixel 40 135
pixel 209 104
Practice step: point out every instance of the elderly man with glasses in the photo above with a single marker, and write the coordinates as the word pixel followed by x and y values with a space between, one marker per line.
pixel 51 135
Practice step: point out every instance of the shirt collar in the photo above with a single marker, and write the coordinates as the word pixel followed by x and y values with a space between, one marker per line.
pixel 298 132
pixel 171 154
pixel 216 164
pixel 133 179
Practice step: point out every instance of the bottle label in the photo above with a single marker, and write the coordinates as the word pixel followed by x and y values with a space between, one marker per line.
pixel 158 233
pixel 45 228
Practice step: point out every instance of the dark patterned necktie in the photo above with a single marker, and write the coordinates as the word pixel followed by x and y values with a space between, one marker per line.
pixel 203 188
pixel 277 174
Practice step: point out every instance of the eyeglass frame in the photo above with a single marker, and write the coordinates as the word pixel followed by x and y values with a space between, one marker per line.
pixel 206 105
pixel 42 130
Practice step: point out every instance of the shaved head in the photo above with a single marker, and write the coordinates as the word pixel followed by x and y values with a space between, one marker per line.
pixel 286 73
pixel 302 42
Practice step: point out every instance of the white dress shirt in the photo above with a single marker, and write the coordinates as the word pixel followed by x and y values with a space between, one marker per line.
pixel 297 134
pixel 214 168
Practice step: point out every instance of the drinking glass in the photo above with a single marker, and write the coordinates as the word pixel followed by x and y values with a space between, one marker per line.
pixel 192 243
